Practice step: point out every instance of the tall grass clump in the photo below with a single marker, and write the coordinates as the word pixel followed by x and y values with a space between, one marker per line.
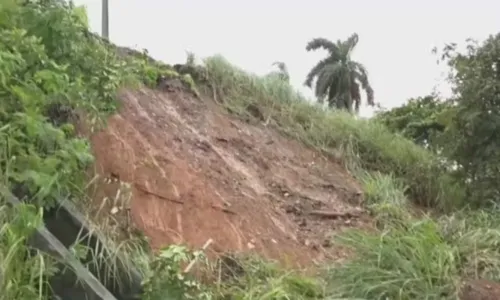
pixel 249 277
pixel 23 271
pixel 476 233
pixel 418 259
pixel 410 261
pixel 366 143
pixel 385 198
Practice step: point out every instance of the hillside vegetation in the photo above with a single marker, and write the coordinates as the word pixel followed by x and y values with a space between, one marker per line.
pixel 441 156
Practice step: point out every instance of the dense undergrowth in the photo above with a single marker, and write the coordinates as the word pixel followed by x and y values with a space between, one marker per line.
pixel 52 75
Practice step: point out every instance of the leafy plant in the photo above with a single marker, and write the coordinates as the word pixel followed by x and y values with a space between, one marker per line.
pixel 167 279
pixel 50 77
pixel 16 280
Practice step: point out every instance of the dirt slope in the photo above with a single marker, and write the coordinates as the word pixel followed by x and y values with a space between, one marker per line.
pixel 197 173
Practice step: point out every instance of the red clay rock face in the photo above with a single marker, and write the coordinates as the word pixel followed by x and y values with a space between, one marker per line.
pixel 197 173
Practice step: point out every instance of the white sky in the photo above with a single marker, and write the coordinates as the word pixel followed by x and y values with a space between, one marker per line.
pixel 396 37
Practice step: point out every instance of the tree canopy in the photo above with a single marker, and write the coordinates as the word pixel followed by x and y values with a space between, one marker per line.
pixel 465 128
pixel 339 80
pixel 420 119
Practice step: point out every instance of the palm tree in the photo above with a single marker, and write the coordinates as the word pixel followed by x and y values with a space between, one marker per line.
pixel 338 78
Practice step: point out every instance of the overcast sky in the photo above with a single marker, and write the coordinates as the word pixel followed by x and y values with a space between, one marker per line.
pixel 396 37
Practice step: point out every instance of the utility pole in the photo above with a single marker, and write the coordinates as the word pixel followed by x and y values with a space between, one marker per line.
pixel 105 19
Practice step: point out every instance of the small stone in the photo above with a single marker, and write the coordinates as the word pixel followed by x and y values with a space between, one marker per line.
pixel 250 246
pixel 114 210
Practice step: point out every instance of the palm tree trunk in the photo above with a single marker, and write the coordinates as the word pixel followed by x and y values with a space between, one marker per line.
pixel 105 19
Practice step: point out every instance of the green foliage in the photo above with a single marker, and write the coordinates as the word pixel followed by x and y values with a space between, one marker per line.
pixel 338 78
pixel 385 197
pixel 166 279
pixel 421 120
pixel 17 281
pixel 81 13
pixel 419 259
pixel 406 262
pixel 476 148
pixel 462 130
pixel 252 278
pixel 46 70
pixel 49 77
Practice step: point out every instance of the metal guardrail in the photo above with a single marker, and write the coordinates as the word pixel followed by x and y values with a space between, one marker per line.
pixel 60 230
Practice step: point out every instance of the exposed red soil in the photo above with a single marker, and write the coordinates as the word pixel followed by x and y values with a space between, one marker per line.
pixel 198 173
pixel 480 289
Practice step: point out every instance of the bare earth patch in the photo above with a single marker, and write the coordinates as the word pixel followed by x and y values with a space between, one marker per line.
pixel 480 289
pixel 197 173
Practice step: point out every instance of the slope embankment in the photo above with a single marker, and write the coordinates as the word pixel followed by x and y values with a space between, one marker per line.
pixel 197 173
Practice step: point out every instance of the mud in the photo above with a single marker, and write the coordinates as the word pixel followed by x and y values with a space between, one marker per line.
pixel 197 173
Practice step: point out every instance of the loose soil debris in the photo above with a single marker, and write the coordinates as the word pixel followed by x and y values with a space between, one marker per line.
pixel 196 172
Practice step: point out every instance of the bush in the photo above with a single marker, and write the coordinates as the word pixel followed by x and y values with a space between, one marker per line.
pixel 48 76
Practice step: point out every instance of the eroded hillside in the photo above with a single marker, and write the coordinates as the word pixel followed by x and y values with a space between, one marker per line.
pixel 197 173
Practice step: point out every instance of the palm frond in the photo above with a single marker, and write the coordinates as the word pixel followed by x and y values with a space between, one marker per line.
pixel 317 69
pixel 352 41
pixel 355 95
pixel 361 75
pixel 329 80
pixel 323 43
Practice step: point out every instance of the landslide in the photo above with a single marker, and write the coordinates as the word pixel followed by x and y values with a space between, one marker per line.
pixel 196 172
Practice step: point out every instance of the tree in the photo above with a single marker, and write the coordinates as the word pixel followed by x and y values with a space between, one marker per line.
pixel 421 119
pixel 475 78
pixel 338 78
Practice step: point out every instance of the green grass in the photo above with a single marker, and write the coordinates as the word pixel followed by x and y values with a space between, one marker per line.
pixel 247 277
pixel 23 275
